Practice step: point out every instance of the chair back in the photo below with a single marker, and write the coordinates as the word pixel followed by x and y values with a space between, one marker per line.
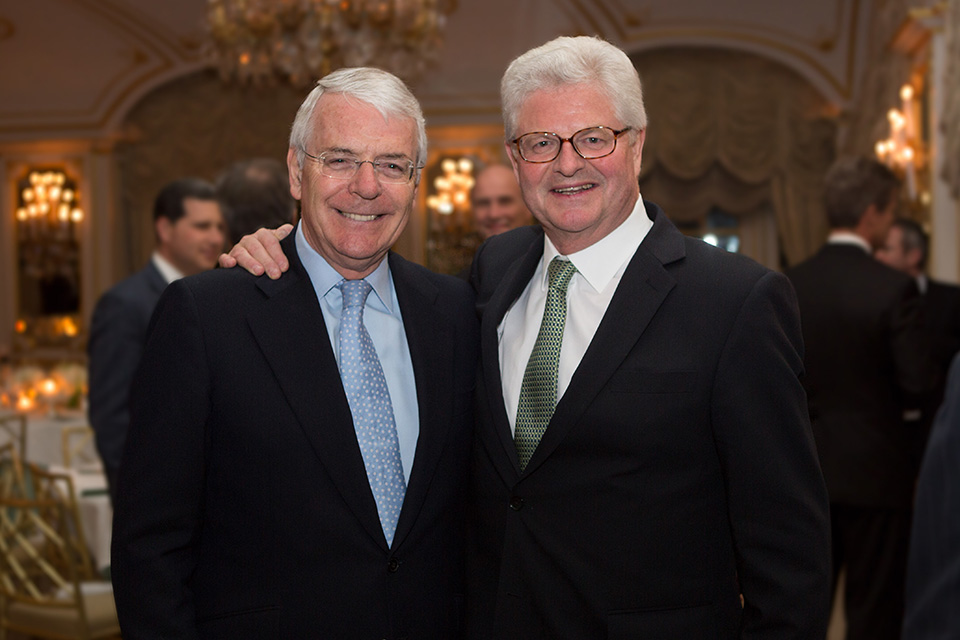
pixel 11 472
pixel 14 427
pixel 43 562
pixel 78 447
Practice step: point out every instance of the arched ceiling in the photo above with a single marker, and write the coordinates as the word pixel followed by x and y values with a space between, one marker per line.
pixel 74 68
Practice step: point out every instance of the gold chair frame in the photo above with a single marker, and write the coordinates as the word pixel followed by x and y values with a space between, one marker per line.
pixel 44 565
pixel 15 424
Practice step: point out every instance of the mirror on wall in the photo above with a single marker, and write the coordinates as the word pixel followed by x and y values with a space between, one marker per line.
pixel 48 218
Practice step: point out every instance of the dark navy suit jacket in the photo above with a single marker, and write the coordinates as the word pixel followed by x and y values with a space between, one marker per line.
pixel 933 573
pixel 117 335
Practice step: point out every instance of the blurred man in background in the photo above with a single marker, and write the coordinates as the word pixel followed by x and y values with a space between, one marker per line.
pixel 255 194
pixel 865 364
pixel 907 249
pixel 497 202
pixel 190 234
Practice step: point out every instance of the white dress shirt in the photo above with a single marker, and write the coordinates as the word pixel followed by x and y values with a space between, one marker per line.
pixel 599 269
pixel 165 267
pixel 384 323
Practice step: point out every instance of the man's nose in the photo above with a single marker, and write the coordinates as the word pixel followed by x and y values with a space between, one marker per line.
pixel 365 183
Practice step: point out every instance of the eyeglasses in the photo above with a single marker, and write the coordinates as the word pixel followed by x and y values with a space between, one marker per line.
pixel 343 166
pixel 590 144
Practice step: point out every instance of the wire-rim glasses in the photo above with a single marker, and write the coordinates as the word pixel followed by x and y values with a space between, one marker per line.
pixel 343 166
pixel 590 143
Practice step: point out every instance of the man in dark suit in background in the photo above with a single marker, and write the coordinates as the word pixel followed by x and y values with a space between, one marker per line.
pixel 189 233
pixel 678 472
pixel 297 458
pixel 866 362
pixel 255 193
pixel 907 249
pixel 497 202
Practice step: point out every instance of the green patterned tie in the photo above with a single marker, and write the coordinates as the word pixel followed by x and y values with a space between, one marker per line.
pixel 538 393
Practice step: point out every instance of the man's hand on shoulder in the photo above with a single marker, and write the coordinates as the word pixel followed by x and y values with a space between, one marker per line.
pixel 260 252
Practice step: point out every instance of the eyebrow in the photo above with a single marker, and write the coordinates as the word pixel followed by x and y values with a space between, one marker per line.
pixel 388 156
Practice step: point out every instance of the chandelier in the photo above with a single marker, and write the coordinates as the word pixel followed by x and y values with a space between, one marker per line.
pixel 902 149
pixel 258 41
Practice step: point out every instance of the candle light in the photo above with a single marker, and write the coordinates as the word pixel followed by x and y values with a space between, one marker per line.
pixel 25 402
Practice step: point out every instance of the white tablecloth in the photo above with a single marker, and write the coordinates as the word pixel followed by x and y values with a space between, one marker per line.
pixel 45 437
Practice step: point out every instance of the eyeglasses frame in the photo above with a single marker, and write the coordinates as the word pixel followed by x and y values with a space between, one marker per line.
pixel 616 136
pixel 414 167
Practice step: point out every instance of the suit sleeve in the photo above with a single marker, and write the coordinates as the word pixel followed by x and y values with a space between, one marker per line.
pixel 777 499
pixel 933 572
pixel 115 348
pixel 911 348
pixel 158 512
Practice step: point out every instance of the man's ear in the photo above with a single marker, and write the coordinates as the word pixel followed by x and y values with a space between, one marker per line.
pixel 294 170
pixel 164 230
pixel 512 149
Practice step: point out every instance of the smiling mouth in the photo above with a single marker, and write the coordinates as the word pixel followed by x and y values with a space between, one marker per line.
pixel 357 217
pixel 572 190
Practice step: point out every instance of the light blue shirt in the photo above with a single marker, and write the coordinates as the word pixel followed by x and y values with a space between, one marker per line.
pixel 384 323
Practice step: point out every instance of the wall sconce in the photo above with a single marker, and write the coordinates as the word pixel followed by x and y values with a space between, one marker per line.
pixel 452 186
pixel 902 150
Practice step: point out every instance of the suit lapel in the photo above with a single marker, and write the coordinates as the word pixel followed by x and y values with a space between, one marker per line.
pixel 431 342
pixel 642 290
pixel 293 338
pixel 508 290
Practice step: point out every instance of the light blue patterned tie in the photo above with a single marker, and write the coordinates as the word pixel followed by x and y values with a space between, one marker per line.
pixel 538 393
pixel 369 399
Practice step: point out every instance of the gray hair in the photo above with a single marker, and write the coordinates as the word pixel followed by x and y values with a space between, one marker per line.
pixel 384 91
pixel 574 60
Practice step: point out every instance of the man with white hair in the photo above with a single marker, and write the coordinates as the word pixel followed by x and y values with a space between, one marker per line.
pixel 297 457
pixel 644 464
pixel 644 456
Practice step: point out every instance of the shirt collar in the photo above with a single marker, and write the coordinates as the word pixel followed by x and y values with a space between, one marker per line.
pixel 324 277
pixel 166 269
pixel 846 237
pixel 600 262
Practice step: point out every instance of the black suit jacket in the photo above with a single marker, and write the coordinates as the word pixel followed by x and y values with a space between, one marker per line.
pixel 117 335
pixel 940 320
pixel 678 471
pixel 933 574
pixel 244 509
pixel 866 362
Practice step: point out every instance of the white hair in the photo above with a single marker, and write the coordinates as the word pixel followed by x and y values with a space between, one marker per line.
pixel 384 91
pixel 574 60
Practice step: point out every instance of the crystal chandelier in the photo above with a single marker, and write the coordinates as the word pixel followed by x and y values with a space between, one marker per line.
pixel 259 41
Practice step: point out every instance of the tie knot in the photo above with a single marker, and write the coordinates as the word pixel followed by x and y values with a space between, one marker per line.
pixel 354 292
pixel 560 272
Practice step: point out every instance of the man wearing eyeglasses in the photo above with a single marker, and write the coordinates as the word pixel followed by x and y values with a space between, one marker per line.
pixel 644 464
pixel 297 459
pixel 644 454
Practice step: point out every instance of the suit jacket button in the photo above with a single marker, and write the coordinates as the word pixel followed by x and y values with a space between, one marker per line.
pixel 393 565
pixel 516 503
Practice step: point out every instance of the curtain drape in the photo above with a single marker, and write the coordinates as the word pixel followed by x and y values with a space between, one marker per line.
pixel 739 132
